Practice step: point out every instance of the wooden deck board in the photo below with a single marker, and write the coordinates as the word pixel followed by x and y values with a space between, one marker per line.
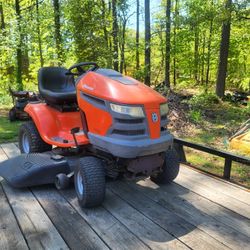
pixel 179 205
pixel 111 230
pixel 171 222
pixel 187 179
pixel 197 212
pixel 10 234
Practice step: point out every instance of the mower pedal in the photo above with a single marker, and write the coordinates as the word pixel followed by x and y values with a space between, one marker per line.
pixel 28 170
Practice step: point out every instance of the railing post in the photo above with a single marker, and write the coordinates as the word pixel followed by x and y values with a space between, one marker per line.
pixel 227 168
pixel 180 151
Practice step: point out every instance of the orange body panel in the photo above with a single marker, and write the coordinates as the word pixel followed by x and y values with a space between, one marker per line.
pixel 98 120
pixel 53 124
pixel 106 88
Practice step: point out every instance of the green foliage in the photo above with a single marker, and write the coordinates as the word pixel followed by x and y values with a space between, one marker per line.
pixel 86 30
pixel 195 116
pixel 203 101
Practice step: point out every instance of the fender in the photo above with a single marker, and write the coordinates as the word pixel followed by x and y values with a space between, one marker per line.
pixel 54 126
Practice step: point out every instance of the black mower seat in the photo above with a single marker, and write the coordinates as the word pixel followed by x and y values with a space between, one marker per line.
pixel 55 86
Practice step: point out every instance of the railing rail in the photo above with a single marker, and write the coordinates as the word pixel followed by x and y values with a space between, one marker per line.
pixel 229 157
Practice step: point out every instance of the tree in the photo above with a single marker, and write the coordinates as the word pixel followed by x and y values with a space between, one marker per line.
pixel 176 15
pixel 2 17
pixel 19 56
pixel 147 44
pixel 137 55
pixel 168 46
pixel 115 36
pixel 123 19
pixel 58 36
pixel 39 34
pixel 209 51
pixel 224 48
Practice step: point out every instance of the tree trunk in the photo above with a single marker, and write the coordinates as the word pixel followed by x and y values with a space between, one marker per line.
pixel 122 62
pixel 19 48
pixel 209 54
pixel 196 55
pixel 104 23
pixel 137 34
pixel 147 44
pixel 175 46
pixel 58 36
pixel 114 34
pixel 39 34
pixel 2 17
pixel 224 48
pixel 167 61
pixel 203 58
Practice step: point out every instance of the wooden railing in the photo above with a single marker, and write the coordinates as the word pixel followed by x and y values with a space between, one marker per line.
pixel 229 157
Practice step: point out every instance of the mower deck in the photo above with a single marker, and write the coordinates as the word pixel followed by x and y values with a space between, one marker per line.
pixel 28 170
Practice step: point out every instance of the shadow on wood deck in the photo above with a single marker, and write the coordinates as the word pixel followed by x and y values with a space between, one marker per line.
pixel 196 211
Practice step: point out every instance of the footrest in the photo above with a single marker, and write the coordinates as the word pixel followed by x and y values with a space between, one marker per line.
pixel 28 170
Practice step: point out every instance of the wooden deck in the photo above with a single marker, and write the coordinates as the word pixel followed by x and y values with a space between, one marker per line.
pixel 195 212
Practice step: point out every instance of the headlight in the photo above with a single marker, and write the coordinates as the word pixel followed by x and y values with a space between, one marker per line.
pixel 127 110
pixel 164 109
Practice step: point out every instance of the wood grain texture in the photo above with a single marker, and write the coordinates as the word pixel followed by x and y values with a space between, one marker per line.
pixel 111 230
pixel 188 179
pixel 10 234
pixel 177 204
pixel 170 221
pixel 74 229
pixel 150 233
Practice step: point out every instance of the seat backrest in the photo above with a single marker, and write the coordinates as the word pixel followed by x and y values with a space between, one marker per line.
pixel 55 79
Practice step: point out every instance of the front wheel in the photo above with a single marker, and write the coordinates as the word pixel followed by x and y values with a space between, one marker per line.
pixel 89 178
pixel 170 168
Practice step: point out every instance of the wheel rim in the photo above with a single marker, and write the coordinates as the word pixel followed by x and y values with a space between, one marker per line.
pixel 79 183
pixel 25 143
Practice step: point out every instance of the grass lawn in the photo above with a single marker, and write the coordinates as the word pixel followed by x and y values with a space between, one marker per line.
pixel 240 173
pixel 212 126
pixel 8 130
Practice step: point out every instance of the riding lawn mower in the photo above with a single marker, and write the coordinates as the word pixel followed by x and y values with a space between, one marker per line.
pixel 93 123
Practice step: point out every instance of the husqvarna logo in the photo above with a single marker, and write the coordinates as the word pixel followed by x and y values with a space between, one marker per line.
pixel 154 117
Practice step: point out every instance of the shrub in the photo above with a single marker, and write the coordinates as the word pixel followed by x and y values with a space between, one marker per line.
pixel 198 102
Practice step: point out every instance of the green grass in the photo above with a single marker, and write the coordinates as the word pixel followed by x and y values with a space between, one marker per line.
pixel 240 173
pixel 8 130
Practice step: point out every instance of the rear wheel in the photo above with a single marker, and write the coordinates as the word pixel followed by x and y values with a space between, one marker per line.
pixel 30 140
pixel 89 178
pixel 12 115
pixel 171 168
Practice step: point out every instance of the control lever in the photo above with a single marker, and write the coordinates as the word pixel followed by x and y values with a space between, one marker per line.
pixel 73 131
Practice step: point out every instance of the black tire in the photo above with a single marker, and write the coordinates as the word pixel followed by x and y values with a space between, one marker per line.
pixel 171 168
pixel 62 181
pixel 30 140
pixel 90 173
pixel 12 115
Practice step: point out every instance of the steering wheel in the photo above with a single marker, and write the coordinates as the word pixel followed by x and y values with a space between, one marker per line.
pixel 80 70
